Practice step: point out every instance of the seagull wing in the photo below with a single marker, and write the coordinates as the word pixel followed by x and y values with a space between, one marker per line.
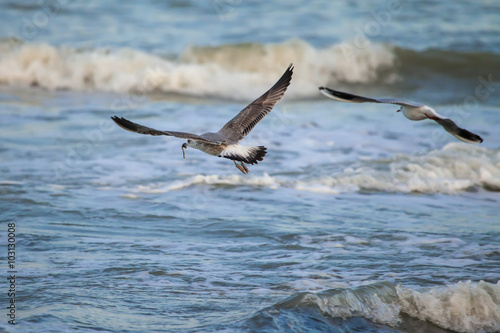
pixel 448 124
pixel 136 128
pixel 351 98
pixel 238 127
pixel 458 132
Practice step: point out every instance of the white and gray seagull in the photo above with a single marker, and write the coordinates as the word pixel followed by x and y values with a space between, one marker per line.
pixel 224 143
pixel 411 110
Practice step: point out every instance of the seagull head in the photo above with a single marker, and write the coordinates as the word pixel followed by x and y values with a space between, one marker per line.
pixel 184 146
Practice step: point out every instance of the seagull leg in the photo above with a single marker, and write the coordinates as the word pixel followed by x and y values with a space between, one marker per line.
pixel 242 168
pixel 245 167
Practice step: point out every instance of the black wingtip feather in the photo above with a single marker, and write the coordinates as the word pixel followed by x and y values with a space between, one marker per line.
pixel 458 132
pixel 339 94
pixel 125 124
pixel 469 136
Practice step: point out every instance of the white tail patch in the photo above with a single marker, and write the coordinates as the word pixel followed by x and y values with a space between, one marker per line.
pixel 250 155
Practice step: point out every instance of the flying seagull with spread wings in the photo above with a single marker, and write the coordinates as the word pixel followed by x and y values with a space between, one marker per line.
pixel 412 111
pixel 224 143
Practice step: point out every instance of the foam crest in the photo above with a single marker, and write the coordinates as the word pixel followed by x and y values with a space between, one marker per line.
pixel 455 168
pixel 54 68
pixel 463 307
pixel 240 71
pixel 231 180
pixel 313 66
pixel 376 302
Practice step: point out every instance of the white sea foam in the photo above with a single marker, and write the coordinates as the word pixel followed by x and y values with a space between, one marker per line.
pixel 263 181
pixel 10 182
pixel 453 169
pixel 412 240
pixel 231 180
pixel 462 307
pixel 240 71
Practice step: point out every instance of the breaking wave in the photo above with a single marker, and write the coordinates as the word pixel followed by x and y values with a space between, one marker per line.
pixel 237 71
pixel 462 307
pixel 453 169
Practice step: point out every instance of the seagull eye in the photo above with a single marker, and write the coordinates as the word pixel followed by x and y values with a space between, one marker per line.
pixel 189 141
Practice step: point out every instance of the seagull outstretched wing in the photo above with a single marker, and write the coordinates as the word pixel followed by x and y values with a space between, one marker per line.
pixel 136 128
pixel 238 127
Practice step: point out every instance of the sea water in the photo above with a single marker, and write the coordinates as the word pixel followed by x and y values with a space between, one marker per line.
pixel 357 220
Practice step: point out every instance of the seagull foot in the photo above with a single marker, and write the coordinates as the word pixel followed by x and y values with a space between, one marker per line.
pixel 245 167
pixel 242 168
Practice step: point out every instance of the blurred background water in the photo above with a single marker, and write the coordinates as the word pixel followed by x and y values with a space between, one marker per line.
pixel 358 220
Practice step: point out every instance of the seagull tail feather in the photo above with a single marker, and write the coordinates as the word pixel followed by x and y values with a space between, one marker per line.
pixel 249 155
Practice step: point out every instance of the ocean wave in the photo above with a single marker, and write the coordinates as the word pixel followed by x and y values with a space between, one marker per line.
pixel 240 71
pixel 235 71
pixel 456 64
pixel 231 180
pixel 455 168
pixel 462 307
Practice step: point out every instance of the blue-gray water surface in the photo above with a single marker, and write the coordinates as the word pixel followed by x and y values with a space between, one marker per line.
pixel 357 220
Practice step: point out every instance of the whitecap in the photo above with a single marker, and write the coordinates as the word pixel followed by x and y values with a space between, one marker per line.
pixel 238 71
pixel 462 307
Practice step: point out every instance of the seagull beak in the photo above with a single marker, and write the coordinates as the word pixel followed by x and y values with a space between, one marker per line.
pixel 184 146
pixel 399 110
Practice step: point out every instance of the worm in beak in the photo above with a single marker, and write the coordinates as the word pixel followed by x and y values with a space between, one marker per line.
pixel 184 146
